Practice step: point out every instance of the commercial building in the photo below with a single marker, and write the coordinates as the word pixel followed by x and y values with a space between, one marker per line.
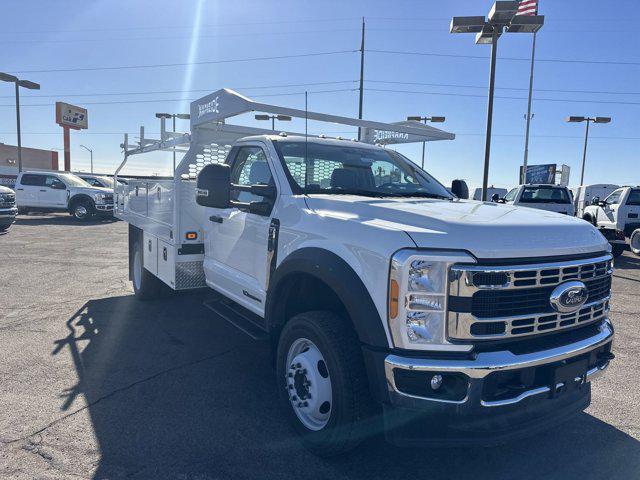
pixel 32 159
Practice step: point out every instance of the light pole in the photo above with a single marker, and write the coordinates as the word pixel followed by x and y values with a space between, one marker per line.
pixel 273 118
pixel 90 153
pixel 502 18
pixel 5 77
pixel 181 116
pixel 432 119
pixel 587 120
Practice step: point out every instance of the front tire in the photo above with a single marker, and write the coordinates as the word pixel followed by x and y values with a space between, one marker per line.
pixel 634 242
pixel 146 286
pixel 83 210
pixel 323 383
pixel 617 249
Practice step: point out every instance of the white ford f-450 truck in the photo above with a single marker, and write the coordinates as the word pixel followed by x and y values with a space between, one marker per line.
pixel 385 299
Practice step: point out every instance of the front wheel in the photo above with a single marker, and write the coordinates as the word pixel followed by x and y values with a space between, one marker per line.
pixel 4 228
pixel 634 242
pixel 82 210
pixel 323 382
pixel 617 249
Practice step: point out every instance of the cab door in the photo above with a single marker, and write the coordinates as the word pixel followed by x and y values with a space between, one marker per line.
pixel 28 190
pixel 607 214
pixel 53 193
pixel 237 247
pixel 631 213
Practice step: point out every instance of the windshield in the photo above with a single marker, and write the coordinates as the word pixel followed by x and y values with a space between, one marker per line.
pixel 336 169
pixel 545 194
pixel 107 181
pixel 73 180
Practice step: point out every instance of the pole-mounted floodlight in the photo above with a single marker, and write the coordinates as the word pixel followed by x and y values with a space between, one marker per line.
pixel 91 154
pixel 273 118
pixel 418 118
pixel 5 77
pixel 587 120
pixel 502 18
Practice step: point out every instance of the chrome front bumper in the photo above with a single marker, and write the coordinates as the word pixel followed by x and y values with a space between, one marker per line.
pixel 486 363
pixel 104 207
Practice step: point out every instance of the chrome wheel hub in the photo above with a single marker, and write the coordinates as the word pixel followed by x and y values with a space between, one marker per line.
pixel 635 241
pixel 81 211
pixel 308 384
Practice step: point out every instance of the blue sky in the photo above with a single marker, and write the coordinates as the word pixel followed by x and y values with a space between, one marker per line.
pixel 45 35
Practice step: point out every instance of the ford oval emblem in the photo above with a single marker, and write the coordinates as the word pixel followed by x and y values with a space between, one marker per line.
pixel 569 296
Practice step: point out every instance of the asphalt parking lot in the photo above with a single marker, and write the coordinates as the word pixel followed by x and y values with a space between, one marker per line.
pixel 94 384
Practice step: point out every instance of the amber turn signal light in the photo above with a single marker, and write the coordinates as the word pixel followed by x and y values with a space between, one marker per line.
pixel 394 291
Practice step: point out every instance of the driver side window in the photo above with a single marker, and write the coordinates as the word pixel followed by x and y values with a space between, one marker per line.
pixel 614 198
pixel 511 196
pixel 250 167
pixel 53 182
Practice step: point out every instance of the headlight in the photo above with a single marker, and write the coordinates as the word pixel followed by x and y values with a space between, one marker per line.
pixel 418 297
pixel 99 197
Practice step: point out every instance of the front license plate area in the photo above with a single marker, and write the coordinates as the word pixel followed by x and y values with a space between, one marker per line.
pixel 566 374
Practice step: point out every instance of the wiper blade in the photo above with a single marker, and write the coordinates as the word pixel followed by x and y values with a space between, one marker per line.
pixel 338 191
pixel 423 195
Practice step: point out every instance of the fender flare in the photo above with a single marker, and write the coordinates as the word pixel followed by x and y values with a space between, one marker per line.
pixel 338 275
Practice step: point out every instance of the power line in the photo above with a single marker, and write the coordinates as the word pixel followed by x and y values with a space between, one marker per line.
pixel 519 59
pixel 161 100
pixel 206 62
pixel 502 97
pixel 458 85
pixel 188 27
pixel 165 37
pixel 179 91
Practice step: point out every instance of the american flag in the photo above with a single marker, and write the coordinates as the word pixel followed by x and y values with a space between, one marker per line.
pixel 528 7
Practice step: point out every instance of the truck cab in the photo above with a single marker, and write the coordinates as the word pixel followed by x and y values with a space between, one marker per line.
pixel 60 191
pixel 380 295
pixel 619 211
pixel 552 198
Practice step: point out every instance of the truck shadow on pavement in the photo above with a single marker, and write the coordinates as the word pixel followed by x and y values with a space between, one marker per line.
pixel 60 219
pixel 174 392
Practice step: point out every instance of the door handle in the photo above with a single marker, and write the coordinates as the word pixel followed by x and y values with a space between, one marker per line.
pixel 43 190
pixel 216 218
pixel 19 188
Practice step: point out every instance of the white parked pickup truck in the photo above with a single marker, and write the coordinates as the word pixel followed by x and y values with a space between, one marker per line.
pixel 617 217
pixel 58 191
pixel 552 198
pixel 381 295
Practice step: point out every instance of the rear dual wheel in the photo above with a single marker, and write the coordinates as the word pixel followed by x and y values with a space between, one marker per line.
pixel 146 286
pixel 634 242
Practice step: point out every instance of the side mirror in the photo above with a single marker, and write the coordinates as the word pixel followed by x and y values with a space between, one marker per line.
pixel 460 189
pixel 260 208
pixel 213 186
pixel 602 204
pixel 595 201
pixel 495 198
pixel 58 186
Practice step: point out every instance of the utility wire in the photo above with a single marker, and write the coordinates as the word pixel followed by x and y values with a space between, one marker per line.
pixel 183 64
pixel 161 100
pixel 502 97
pixel 519 59
pixel 484 87
pixel 179 91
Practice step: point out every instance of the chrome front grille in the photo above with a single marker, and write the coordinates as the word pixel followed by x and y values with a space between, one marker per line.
pixel 501 302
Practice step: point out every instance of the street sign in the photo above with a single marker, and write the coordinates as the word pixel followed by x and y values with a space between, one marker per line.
pixel 71 116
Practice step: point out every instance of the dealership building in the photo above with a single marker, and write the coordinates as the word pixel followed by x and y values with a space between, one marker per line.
pixel 32 159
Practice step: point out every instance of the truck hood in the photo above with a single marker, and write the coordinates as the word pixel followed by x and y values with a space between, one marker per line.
pixel 487 230
pixel 4 189
pixel 90 190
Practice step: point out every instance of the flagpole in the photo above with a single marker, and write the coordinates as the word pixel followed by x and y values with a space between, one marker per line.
pixel 526 136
